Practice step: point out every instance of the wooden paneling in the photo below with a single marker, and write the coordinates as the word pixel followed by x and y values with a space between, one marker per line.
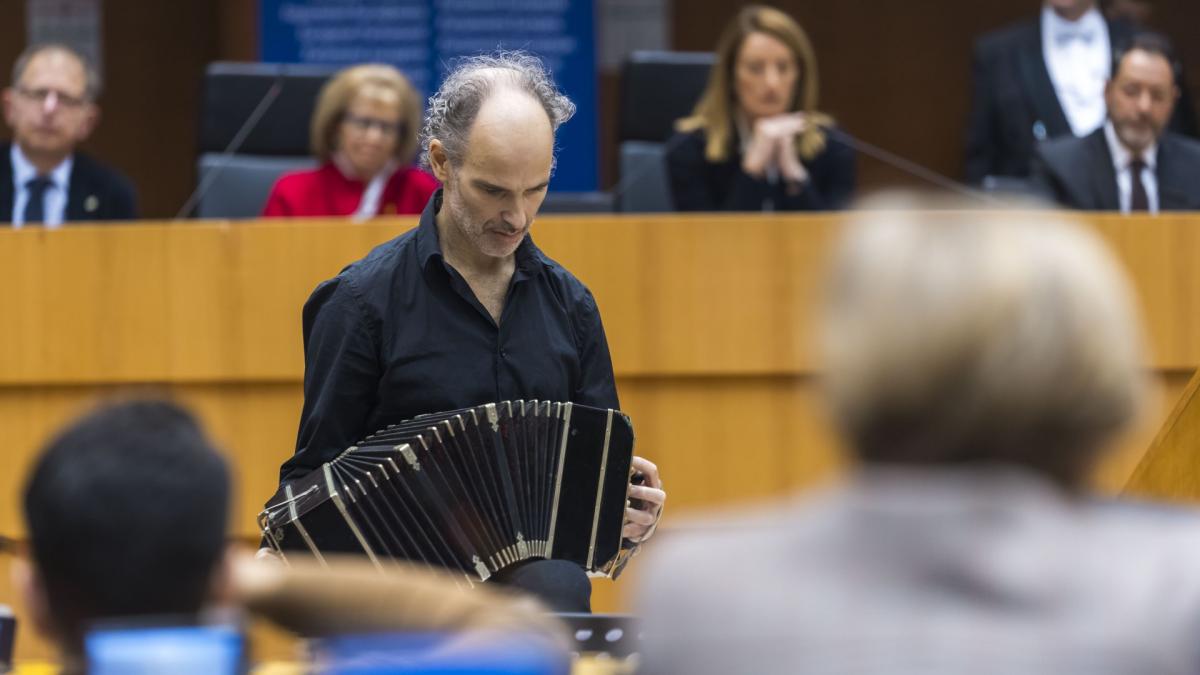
pixel 12 37
pixel 237 29
pixel 154 55
pixel 1168 469
pixel 687 296
pixel 707 318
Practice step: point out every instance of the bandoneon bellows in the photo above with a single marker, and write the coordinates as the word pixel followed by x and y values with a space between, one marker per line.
pixel 473 490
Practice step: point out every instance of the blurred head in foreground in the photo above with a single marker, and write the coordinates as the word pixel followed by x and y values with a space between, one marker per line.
pixel 958 338
pixel 126 511
pixel 978 363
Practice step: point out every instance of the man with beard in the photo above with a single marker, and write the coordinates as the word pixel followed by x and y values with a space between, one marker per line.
pixel 1131 163
pixel 1043 78
pixel 465 309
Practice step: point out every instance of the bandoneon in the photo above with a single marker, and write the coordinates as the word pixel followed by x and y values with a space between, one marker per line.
pixel 472 490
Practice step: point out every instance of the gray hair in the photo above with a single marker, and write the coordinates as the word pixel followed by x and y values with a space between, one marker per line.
pixel 452 110
pixel 91 86
pixel 968 337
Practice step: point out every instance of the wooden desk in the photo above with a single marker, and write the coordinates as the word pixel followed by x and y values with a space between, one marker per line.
pixel 707 318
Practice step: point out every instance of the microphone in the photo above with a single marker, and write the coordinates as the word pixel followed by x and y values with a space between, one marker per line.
pixel 910 167
pixel 234 145
pixel 858 145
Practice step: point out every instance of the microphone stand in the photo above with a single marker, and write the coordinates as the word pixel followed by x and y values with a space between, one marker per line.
pixel 235 144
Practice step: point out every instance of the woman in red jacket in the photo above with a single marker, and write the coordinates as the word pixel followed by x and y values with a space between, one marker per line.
pixel 364 131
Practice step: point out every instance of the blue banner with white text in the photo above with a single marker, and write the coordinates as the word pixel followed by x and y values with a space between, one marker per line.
pixel 423 37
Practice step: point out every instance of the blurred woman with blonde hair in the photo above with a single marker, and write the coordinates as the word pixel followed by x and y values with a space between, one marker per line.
pixel 979 365
pixel 755 141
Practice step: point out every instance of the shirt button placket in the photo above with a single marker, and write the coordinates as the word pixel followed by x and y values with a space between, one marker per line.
pixel 501 356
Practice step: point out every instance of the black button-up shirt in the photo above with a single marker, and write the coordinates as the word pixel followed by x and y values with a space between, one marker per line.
pixel 400 333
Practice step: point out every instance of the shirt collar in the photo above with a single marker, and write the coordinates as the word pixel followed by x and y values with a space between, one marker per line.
pixel 897 494
pixel 24 170
pixel 529 256
pixel 428 245
pixel 1091 24
pixel 339 162
pixel 1121 155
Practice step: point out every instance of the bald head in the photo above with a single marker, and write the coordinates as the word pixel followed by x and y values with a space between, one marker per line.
pixel 489 139
pixel 507 78
pixel 512 123
pixel 506 100
pixel 63 58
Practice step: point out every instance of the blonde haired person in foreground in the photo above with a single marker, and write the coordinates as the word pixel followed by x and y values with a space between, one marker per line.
pixel 127 512
pixel 978 365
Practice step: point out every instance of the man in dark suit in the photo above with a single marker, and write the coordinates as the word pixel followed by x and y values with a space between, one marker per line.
pixel 51 108
pixel 1132 163
pixel 1043 79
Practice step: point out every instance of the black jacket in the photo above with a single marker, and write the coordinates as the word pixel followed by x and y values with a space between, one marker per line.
pixel 699 185
pixel 1014 104
pixel 95 192
pixel 1078 173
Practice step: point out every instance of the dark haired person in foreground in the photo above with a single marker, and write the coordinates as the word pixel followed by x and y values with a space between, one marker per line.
pixel 1132 163
pixel 978 365
pixel 127 512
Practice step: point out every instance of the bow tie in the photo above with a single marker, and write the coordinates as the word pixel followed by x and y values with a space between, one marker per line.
pixel 1065 34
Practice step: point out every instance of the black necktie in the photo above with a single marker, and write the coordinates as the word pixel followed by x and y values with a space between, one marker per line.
pixel 1138 199
pixel 35 211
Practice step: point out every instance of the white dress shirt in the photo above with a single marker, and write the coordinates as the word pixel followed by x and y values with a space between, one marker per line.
pixel 369 206
pixel 1121 159
pixel 54 205
pixel 1079 58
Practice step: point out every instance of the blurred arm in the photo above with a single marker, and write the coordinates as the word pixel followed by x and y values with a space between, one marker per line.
pixel 352 596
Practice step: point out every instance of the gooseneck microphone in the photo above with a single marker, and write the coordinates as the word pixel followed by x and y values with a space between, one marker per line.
pixel 838 135
pixel 234 145
pixel 909 167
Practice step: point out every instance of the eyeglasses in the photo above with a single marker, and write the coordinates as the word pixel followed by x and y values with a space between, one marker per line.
pixel 365 124
pixel 39 96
